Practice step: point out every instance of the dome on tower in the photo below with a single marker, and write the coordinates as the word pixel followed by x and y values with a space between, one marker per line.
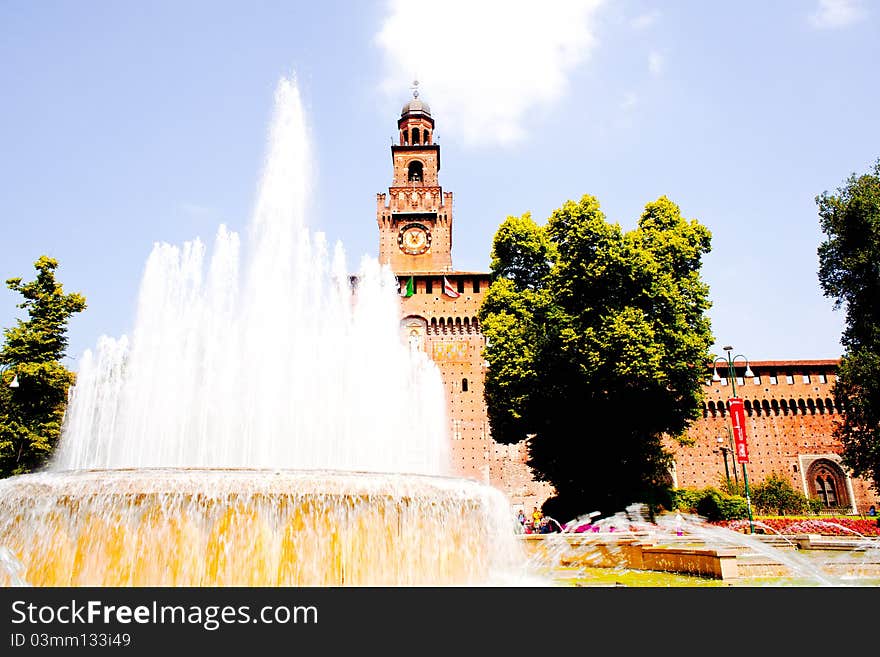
pixel 416 106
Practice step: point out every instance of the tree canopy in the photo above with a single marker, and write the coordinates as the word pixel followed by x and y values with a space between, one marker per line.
pixel 32 412
pixel 849 273
pixel 597 340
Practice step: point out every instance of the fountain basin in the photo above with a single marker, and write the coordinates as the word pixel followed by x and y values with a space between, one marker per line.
pixel 252 527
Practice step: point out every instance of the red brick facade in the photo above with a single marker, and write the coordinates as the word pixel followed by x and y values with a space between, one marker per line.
pixel 790 415
pixel 790 410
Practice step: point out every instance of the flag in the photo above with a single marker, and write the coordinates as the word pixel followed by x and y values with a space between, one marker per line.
pixel 448 290
pixel 408 289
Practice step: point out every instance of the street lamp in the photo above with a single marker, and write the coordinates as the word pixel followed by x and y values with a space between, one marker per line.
pixel 730 361
pixel 724 449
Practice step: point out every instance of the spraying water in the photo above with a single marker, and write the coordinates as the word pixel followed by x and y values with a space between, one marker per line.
pixel 293 365
pixel 248 432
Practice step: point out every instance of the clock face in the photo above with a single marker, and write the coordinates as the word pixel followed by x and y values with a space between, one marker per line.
pixel 414 239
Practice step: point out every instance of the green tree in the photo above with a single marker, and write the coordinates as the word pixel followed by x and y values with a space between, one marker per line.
pixel 31 414
pixel 776 495
pixel 849 273
pixel 596 343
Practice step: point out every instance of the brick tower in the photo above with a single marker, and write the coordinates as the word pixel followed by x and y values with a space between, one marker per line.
pixel 439 312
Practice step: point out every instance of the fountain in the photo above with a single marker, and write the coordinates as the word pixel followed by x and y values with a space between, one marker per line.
pixel 249 432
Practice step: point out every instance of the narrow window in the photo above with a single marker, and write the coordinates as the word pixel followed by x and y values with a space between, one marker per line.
pixel 415 135
pixel 756 380
pixel 789 378
pixel 806 378
pixel 476 285
pixel 460 285
pixel 464 385
pixel 773 379
pixel 740 381
pixel 429 285
pixel 823 378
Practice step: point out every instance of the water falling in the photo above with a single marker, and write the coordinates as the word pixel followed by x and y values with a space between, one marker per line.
pixel 288 368
pixel 250 431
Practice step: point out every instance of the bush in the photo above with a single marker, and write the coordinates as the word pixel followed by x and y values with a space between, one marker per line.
pixel 710 503
pixel 734 507
pixel 814 505
pixel 776 495
pixel 686 499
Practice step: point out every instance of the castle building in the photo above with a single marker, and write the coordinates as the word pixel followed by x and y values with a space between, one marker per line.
pixel 789 404
pixel 440 304
pixel 790 413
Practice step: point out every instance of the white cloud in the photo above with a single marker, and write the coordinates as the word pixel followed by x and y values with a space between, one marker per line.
pixel 655 63
pixel 629 102
pixel 832 14
pixel 482 66
pixel 646 20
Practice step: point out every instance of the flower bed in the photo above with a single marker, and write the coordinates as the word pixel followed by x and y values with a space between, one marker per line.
pixel 832 526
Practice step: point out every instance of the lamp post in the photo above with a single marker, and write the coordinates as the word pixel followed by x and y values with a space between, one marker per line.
pixel 724 449
pixel 730 361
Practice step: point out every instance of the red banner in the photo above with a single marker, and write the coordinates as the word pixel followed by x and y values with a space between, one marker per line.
pixel 738 422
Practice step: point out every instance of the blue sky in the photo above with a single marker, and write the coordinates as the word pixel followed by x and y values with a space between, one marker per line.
pixel 128 123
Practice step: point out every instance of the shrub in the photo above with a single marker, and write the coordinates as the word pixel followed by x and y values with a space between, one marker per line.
pixel 776 495
pixel 710 503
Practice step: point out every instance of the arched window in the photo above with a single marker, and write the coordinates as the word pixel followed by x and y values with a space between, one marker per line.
pixel 406 137
pixel 784 404
pixel 792 404
pixel 766 406
pixel 748 406
pixel 829 404
pixel 775 405
pixel 464 385
pixel 415 136
pixel 811 404
pixel 712 408
pixel 414 171
pixel 802 405
pixel 821 406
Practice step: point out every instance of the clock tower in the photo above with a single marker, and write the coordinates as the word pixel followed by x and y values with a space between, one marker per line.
pixel 440 305
pixel 415 217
